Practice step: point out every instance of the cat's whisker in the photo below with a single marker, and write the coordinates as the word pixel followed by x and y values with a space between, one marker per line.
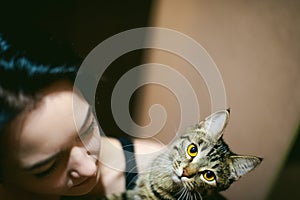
pixel 191 196
pixel 194 195
pixel 198 160
pixel 199 195
pixel 133 170
pixel 190 185
pixel 183 194
pixel 187 194
pixel 180 191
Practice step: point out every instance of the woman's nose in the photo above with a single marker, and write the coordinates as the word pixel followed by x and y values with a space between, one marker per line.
pixel 81 163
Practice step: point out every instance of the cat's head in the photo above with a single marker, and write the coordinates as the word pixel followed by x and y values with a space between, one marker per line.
pixel 203 162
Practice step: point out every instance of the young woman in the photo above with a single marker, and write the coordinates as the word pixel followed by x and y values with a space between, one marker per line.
pixel 45 152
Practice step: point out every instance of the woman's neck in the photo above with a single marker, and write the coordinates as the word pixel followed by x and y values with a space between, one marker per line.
pixel 14 193
pixel 112 166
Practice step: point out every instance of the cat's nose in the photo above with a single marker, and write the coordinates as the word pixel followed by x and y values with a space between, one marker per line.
pixel 186 172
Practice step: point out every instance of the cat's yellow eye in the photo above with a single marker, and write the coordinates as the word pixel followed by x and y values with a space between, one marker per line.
pixel 209 175
pixel 192 150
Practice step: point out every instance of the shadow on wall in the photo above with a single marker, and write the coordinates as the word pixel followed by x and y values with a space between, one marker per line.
pixel 286 185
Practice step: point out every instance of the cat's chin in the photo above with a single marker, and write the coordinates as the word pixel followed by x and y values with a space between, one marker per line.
pixel 176 179
pixel 179 180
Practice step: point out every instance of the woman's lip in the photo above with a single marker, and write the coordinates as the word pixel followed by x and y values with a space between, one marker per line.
pixel 83 182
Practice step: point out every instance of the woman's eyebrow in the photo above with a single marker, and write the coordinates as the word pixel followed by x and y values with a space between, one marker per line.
pixel 41 163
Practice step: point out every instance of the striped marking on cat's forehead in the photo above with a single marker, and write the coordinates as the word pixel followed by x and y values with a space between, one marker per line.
pixel 215 166
pixel 220 149
pixel 195 133
pixel 187 137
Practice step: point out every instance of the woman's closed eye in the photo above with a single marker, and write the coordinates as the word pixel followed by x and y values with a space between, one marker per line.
pixel 48 171
pixel 48 166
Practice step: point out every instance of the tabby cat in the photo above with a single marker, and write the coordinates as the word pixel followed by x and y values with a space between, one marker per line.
pixel 197 166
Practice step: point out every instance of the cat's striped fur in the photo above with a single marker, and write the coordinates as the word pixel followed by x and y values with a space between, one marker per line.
pixel 197 166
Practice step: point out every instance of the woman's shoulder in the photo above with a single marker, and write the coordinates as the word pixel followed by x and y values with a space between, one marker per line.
pixel 140 146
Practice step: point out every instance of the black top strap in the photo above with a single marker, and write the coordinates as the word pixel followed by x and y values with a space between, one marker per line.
pixel 131 173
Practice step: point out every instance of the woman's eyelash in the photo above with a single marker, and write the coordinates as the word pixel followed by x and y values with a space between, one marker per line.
pixel 54 166
pixel 47 172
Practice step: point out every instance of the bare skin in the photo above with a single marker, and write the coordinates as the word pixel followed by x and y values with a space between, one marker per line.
pixel 53 150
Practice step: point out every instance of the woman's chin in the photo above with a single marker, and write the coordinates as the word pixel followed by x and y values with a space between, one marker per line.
pixel 82 188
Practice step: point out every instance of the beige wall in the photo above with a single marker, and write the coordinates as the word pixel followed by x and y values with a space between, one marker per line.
pixel 256 47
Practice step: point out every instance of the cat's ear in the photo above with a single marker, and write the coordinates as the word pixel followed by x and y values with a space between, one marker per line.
pixel 216 123
pixel 241 165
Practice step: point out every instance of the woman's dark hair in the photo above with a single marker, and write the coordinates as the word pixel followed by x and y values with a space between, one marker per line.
pixel 28 66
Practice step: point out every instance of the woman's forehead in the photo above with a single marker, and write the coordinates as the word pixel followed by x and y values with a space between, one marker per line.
pixel 49 126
